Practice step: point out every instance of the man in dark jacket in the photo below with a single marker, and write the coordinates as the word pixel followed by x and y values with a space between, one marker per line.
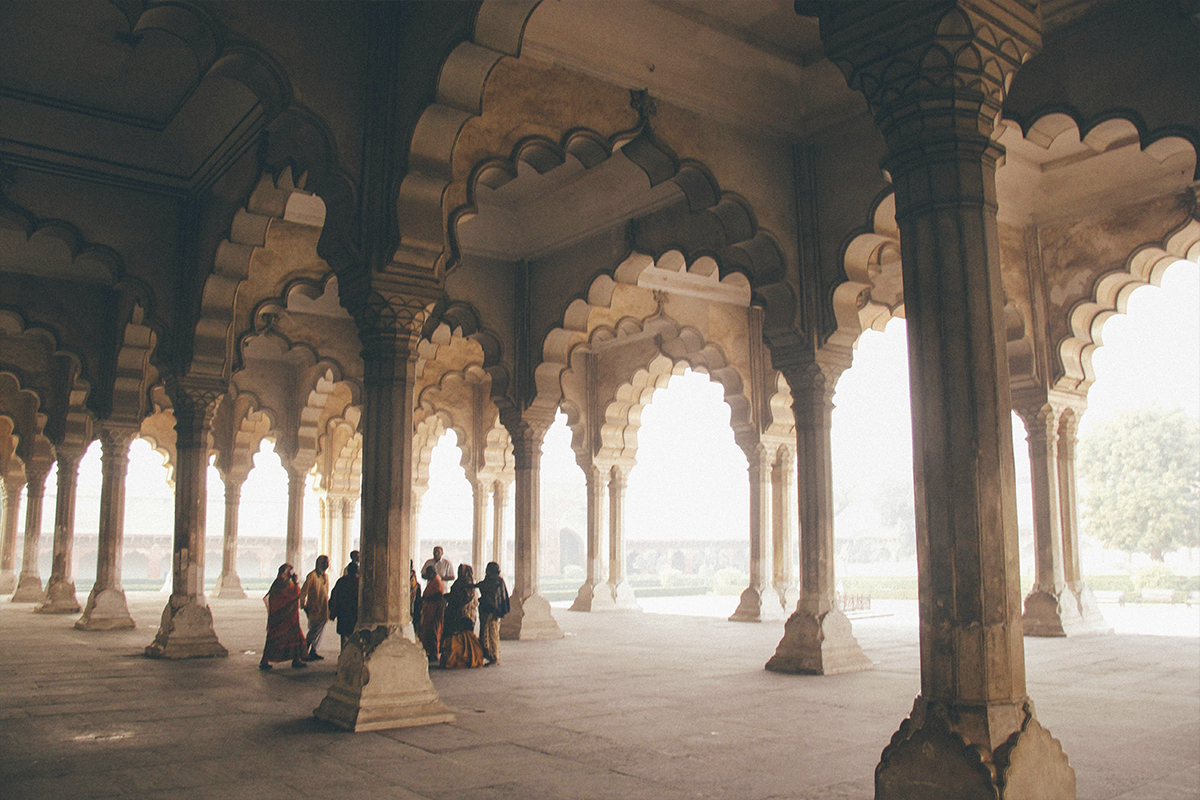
pixel 343 603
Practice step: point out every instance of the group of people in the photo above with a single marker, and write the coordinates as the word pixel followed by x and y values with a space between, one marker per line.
pixel 444 620
pixel 285 598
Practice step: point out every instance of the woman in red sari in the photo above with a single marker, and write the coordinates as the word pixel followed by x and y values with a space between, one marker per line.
pixel 433 610
pixel 285 640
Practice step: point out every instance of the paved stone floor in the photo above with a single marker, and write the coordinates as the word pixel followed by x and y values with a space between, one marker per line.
pixel 627 706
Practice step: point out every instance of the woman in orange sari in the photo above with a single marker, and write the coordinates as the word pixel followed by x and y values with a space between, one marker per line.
pixel 460 647
pixel 285 640
pixel 433 609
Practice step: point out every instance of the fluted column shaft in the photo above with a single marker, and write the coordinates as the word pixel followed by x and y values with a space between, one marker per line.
pixel 106 608
pixel 499 500
pixel 616 536
pixel 60 587
pixel 1041 427
pixel 594 593
pixel 479 509
pixel 229 583
pixel 29 582
pixel 186 629
pixel 8 544
pixel 295 518
pixel 383 677
pixel 759 601
pixel 530 617
pixel 783 487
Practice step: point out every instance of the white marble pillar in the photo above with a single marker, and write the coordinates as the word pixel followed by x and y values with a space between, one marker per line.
pixel 618 586
pixel 346 527
pixel 8 544
pixel 1091 620
pixel 594 594
pixel 294 548
pixel 382 673
pixel 783 530
pixel 60 595
pixel 972 731
pixel 529 617
pixel 29 582
pixel 817 637
pixel 499 500
pixel 186 629
pixel 106 608
pixel 479 509
pixel 760 600
pixel 229 584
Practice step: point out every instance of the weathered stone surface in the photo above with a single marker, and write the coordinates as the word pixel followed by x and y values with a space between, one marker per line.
pixel 822 645
pixel 106 610
pixel 756 605
pixel 530 618
pixel 186 631
pixel 59 599
pixel 29 589
pixel 382 682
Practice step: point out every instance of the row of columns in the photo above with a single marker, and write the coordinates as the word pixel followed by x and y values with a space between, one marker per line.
pixel 605 591
pixel 484 491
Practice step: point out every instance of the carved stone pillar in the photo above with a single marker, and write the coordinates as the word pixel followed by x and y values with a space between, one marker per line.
pixel 783 532
pixel 760 600
pixel 622 592
pixel 935 76
pixel 229 585
pixel 60 595
pixel 106 608
pixel 186 630
pixel 594 594
pixel 499 500
pixel 529 617
pixel 8 544
pixel 346 526
pixel 479 509
pixel 325 535
pixel 294 549
pixel 382 673
pixel 1091 620
pixel 29 583
pixel 817 637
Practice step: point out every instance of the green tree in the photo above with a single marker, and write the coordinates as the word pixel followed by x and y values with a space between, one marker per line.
pixel 1141 474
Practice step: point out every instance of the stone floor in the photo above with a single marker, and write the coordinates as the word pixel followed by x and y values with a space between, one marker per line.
pixel 627 706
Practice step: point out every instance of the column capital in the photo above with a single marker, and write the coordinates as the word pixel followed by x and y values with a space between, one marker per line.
pixel 390 314
pixel 932 71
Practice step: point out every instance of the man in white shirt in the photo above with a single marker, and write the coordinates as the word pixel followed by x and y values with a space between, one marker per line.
pixel 442 566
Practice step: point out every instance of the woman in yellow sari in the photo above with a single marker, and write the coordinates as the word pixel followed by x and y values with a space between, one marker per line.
pixel 460 646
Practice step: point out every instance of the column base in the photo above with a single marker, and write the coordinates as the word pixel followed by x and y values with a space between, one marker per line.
pixel 229 587
pixel 605 597
pixel 529 618
pixel 382 682
pixel 59 599
pixel 1071 612
pixel 623 597
pixel 790 592
pixel 931 757
pixel 823 645
pixel 756 606
pixel 186 631
pixel 29 589
pixel 593 597
pixel 8 581
pixel 106 610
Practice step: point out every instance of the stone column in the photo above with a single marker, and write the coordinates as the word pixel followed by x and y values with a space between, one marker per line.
pixel 759 601
pixel 382 673
pixel 499 500
pixel 817 637
pixel 294 549
pixel 347 526
pixel 622 592
pixel 1091 620
pixel 8 544
pixel 229 585
pixel 106 608
pixel 186 630
pixel 783 487
pixel 29 583
pixel 479 509
pixel 594 594
pixel 60 595
pixel 529 617
pixel 934 76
